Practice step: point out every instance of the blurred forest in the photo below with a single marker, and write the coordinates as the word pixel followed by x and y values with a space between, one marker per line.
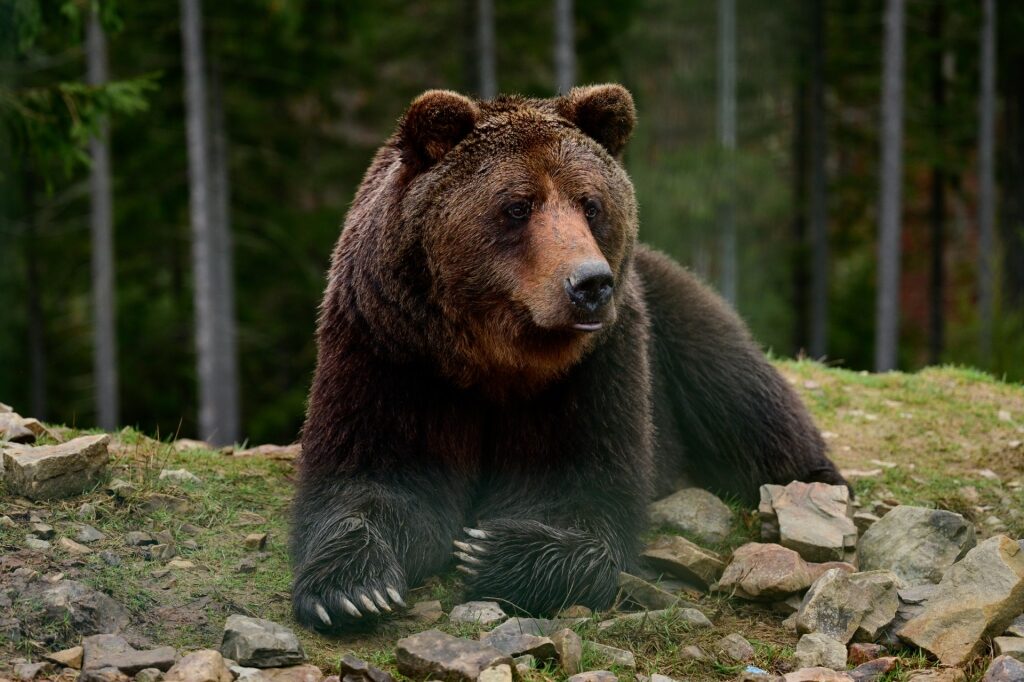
pixel 174 175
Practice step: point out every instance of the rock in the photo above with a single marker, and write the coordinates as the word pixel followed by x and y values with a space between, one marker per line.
pixel 569 647
pixel 694 511
pixel 619 657
pixel 692 652
pixel 283 453
pixel 258 643
pixel 691 617
pixel 121 489
pixel 87 534
pixel 765 572
pixel 594 676
pixel 864 520
pixel 1004 669
pixel 1009 646
pixel 1016 627
pixel 817 675
pixel 427 611
pixel 482 613
pixel 112 651
pixel 42 531
pixel 813 519
pixel 205 665
pixel 882 588
pixel 32 542
pixel 7 521
pixel 159 502
pixel 186 444
pixel 683 559
pixel 294 673
pixel 109 558
pixel 875 670
pixel 862 652
pixel 540 627
pixel 915 543
pixel 520 643
pixel 937 675
pixel 735 648
pixel 435 655
pixel 356 670
pixel 977 598
pixel 647 595
pixel 161 552
pixel 82 608
pixel 179 476
pixel 55 471
pixel 818 570
pixel 139 538
pixel 841 604
pixel 69 658
pixel 30 671
pixel 72 547
pixel 497 673
pixel 575 611
pixel 819 650
pixel 149 675
pixel 246 565
pixel 103 675
pixel 181 564
pixel 256 541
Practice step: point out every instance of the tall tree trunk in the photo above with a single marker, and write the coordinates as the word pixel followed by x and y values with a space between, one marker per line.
pixel 727 139
pixel 487 84
pixel 1012 200
pixel 223 258
pixel 986 179
pixel 104 359
pixel 936 322
pixel 36 323
pixel 818 187
pixel 565 46
pixel 801 281
pixel 890 191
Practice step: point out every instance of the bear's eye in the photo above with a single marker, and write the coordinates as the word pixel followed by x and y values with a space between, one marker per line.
pixel 520 210
pixel 591 209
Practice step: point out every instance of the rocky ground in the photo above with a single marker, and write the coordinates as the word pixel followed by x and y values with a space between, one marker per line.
pixel 126 557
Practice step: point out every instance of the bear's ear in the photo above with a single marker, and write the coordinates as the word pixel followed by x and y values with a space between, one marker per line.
pixel 603 112
pixel 436 121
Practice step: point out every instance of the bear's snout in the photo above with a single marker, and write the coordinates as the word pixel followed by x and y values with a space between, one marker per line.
pixel 589 288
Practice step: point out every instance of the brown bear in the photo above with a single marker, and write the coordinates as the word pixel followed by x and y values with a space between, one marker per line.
pixel 505 372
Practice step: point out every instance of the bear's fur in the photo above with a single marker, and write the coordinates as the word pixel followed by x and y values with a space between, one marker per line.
pixel 497 352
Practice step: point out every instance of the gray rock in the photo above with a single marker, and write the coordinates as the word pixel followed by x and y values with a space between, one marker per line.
pixel 42 531
pixel 864 520
pixel 693 652
pixel 103 675
pixel 109 558
pixel 520 643
pixel 1004 669
pixel 1009 646
pixel 535 626
pixel 496 673
pixel 149 675
pixel 427 611
pixel 32 542
pixel 813 519
pixel 875 670
pixel 204 665
pixel 610 654
pixel 765 572
pixel 434 655
pixel 680 557
pixel 691 617
pixel 694 511
pixel 841 604
pixel 570 650
pixel 1016 627
pixel 356 670
pixel 55 471
pixel 883 588
pixel 647 595
pixel 594 676
pixel 80 607
pixel 817 674
pixel 482 613
pixel 72 547
pixel 915 543
pixel 259 643
pixel 112 651
pixel 87 534
pixel 734 647
pixel 159 502
pixel 292 673
pixel 121 489
pixel 139 538
pixel 67 658
pixel 977 598
pixel 13 429
pixel 816 649
pixel 179 476
pixel 30 671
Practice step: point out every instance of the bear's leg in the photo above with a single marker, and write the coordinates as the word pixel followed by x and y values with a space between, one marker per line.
pixel 358 543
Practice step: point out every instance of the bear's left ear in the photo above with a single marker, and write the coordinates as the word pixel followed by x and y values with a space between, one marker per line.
pixel 602 112
pixel 436 121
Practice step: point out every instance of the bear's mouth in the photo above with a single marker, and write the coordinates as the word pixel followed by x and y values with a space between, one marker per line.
pixel 588 326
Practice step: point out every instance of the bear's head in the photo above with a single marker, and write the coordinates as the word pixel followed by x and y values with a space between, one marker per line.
pixel 516 220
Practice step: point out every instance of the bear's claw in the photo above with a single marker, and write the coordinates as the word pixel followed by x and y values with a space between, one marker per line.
pixel 368 604
pixel 322 613
pixel 381 601
pixel 396 596
pixel 350 608
pixel 476 533
pixel 465 569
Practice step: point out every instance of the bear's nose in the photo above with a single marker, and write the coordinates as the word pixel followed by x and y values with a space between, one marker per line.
pixel 590 285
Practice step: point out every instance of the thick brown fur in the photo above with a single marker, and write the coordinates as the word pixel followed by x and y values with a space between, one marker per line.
pixel 459 385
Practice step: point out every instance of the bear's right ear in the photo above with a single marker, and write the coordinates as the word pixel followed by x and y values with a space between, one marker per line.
pixel 436 121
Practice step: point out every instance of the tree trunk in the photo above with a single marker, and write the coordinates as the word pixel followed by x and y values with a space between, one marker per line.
pixel 727 139
pixel 565 47
pixel 890 191
pixel 818 187
pixel 986 180
pixel 936 322
pixel 487 85
pixel 1012 200
pixel 801 281
pixel 102 231
pixel 36 323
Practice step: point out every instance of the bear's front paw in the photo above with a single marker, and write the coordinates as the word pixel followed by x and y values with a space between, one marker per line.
pixel 348 586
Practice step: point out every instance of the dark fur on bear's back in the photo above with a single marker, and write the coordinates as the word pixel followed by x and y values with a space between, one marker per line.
pixel 452 389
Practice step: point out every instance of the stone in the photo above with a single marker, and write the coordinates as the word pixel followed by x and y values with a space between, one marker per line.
pixel 576 611
pixel 540 627
pixel 55 471
pixel 160 552
pixel 103 675
pixel 978 597
pixel 205 665
pixel 259 643
pixel 569 647
pixel 691 617
pixel 179 476
pixel 246 565
pixel 694 511
pixel 14 430
pixel 813 519
pixel 356 670
pixel 765 572
pixel 282 453
pixel 862 652
pixel 294 673
pixel 1009 646
pixel 619 657
pixel 80 607
pixel 87 534
pixel 109 558
pixel 32 542
pixel 647 595
pixel 683 559
pixel 937 675
pixel 42 531
pixel 112 651
pixel 915 543
pixel 139 538
pixel 817 674
pixel 1016 627
pixel 73 548
pixel 149 675
pixel 819 650
pixel 1004 669
pixel 864 520
pixel 841 604
pixel 482 613
pixel 181 564
pixel 69 658
pixel 498 673
pixel 186 444
pixel 30 671
pixel 159 502
pixel 818 570
pixel 121 489
pixel 255 541
pixel 520 643
pixel 427 611
pixel 735 648
pixel 692 652
pixel 434 655
pixel 594 676
pixel 874 670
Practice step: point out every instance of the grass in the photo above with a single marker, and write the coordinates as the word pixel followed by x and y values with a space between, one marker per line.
pixel 940 427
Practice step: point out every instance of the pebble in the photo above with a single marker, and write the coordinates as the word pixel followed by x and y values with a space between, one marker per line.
pixel 482 613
